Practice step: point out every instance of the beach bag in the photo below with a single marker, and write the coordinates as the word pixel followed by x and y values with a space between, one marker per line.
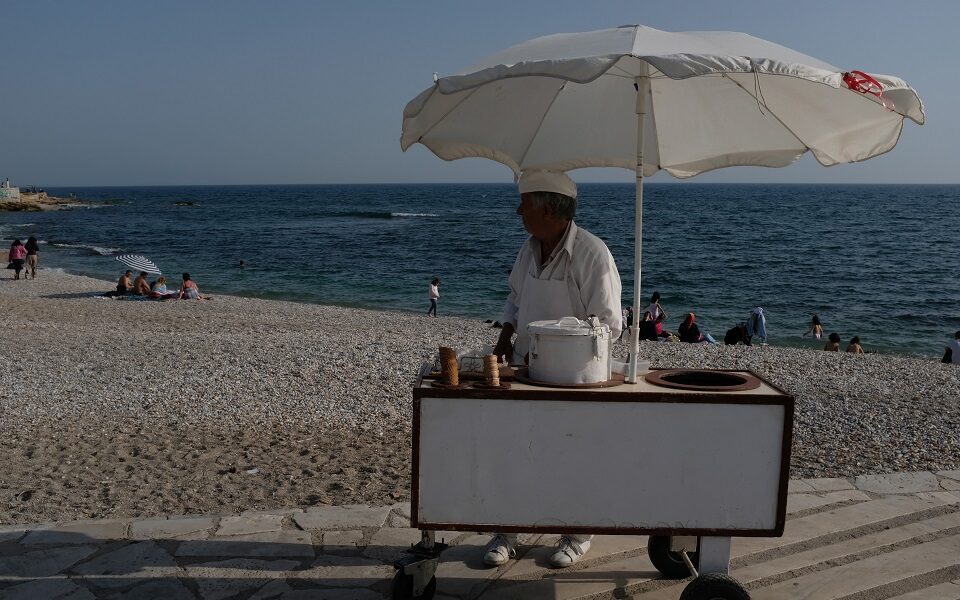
pixel 10 265
pixel 947 356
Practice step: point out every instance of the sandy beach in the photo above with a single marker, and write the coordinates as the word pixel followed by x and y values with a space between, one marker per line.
pixel 129 409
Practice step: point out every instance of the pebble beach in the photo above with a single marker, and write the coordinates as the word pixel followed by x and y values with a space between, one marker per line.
pixel 131 409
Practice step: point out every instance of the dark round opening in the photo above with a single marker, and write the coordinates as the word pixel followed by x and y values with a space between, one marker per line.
pixel 694 379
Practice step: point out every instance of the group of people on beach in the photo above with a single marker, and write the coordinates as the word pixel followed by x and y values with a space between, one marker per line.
pixel 157 290
pixel 24 257
pixel 833 340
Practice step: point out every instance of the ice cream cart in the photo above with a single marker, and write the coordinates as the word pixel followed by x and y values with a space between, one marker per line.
pixel 690 458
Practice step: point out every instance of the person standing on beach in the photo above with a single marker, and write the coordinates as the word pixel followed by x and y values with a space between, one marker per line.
pixel 32 257
pixel 952 354
pixel 816 328
pixel 17 255
pixel 560 271
pixel 434 293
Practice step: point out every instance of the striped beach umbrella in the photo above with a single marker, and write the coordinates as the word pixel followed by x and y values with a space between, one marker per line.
pixel 139 263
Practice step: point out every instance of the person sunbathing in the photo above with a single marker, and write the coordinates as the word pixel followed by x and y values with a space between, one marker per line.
pixel 159 289
pixel 140 285
pixel 189 289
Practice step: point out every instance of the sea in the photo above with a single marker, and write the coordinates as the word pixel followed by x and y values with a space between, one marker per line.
pixel 876 261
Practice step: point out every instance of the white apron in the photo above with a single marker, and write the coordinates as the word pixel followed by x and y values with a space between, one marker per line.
pixel 542 299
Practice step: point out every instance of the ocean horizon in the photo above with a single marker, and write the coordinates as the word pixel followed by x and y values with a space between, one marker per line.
pixel 871 260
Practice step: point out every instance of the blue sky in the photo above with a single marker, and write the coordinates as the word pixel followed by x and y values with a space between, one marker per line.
pixel 196 92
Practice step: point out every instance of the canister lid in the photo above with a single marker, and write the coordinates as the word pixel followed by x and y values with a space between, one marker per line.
pixel 564 326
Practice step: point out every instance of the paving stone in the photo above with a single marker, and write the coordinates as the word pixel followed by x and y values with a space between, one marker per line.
pixel 80 594
pixel 578 583
pixel 48 589
pixel 43 563
pixel 265 545
pixel 168 588
pixel 842 519
pixel 274 589
pixel 949 474
pixel 946 484
pixel 801 502
pixel 226 578
pixel 944 591
pixel 395 520
pixel 319 594
pixel 389 543
pixel 80 532
pixel 798 485
pixel 7 535
pixel 345 571
pixel 825 484
pixel 245 525
pixel 461 568
pixel 898 483
pixel 887 537
pixel 342 542
pixel 284 512
pixel 860 576
pixel 603 546
pixel 342 517
pixel 131 564
pixel 402 507
pixel 169 528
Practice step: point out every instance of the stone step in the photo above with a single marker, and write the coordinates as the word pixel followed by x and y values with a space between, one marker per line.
pixel 864 575
pixel 763 570
pixel 879 540
pixel 601 579
pixel 847 518
pixel 944 591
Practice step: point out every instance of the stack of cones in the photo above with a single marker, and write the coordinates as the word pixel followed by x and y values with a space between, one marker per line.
pixel 449 369
pixel 491 370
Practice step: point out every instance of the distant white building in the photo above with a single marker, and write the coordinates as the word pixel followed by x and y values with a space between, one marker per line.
pixel 7 192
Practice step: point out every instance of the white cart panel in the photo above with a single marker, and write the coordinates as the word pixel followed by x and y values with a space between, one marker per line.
pixel 557 464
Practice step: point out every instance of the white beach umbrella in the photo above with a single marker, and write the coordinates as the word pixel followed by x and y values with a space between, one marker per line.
pixel 139 263
pixel 698 100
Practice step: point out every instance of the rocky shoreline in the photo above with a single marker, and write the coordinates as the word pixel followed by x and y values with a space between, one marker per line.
pixel 123 408
pixel 40 202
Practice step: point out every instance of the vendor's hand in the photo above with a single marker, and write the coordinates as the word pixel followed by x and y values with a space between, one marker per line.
pixel 504 348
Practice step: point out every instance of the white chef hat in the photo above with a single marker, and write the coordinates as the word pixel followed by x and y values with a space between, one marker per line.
pixel 547 181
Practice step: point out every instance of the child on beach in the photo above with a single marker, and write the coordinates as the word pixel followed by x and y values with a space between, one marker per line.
pixel 816 328
pixel 834 344
pixel 854 346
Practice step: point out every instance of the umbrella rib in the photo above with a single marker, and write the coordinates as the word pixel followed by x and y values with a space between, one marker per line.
pixel 447 114
pixel 540 124
pixel 770 110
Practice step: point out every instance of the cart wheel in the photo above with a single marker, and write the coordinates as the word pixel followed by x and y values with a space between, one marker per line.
pixel 403 588
pixel 669 563
pixel 715 586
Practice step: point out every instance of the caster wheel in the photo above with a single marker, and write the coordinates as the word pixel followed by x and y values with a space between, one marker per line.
pixel 669 563
pixel 714 586
pixel 403 588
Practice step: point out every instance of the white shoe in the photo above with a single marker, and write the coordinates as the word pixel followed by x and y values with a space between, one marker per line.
pixel 568 552
pixel 498 551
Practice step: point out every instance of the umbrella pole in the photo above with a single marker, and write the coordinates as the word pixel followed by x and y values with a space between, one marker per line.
pixel 642 85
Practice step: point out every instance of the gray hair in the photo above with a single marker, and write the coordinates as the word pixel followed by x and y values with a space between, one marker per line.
pixel 559 205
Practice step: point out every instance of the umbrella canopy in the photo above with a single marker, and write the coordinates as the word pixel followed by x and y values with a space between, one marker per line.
pixel 643 99
pixel 139 263
pixel 715 99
